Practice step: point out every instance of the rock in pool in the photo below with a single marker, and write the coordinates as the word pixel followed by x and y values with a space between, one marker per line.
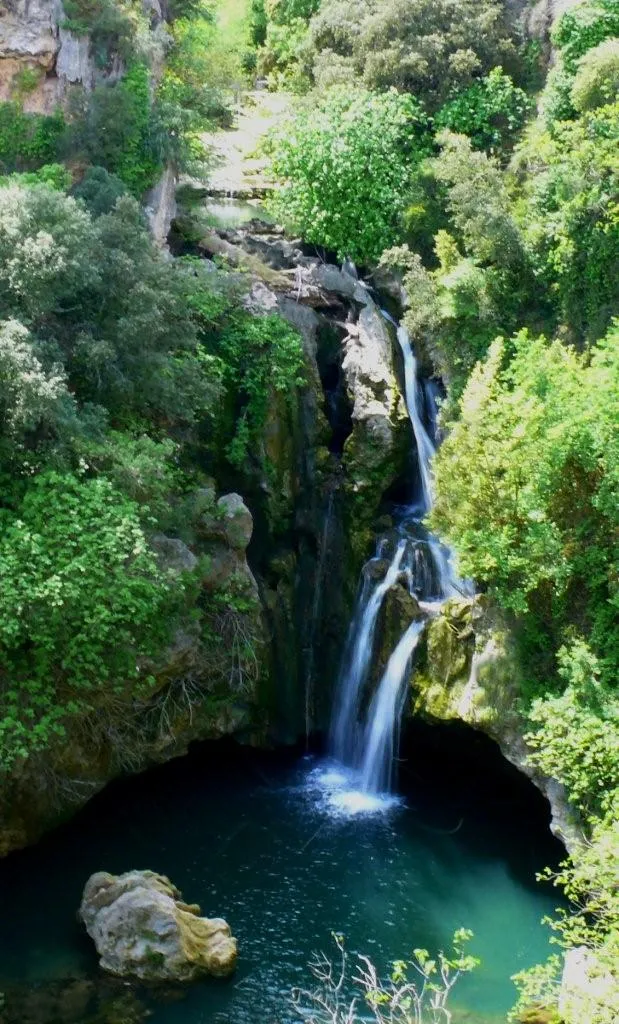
pixel 142 929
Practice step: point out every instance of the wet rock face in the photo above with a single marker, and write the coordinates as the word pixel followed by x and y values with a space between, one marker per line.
pixel 142 929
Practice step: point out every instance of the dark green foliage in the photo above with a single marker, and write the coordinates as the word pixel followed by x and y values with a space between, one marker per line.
pixel 258 22
pixel 491 112
pixel 114 130
pixel 431 48
pixel 99 190
pixel 28 141
pixel 257 357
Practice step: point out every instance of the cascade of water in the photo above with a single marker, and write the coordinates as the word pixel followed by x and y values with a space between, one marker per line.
pixel 365 737
pixel 358 656
pixel 425 448
pixel 385 713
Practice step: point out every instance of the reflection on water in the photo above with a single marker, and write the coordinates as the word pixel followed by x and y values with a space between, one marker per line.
pixel 229 214
pixel 256 839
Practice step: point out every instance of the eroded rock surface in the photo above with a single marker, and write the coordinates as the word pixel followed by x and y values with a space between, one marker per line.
pixel 142 929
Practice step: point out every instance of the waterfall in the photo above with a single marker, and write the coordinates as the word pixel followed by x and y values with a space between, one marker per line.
pixel 358 655
pixel 425 447
pixel 365 728
pixel 385 712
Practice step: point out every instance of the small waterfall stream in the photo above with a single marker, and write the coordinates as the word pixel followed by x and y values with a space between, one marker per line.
pixel 365 728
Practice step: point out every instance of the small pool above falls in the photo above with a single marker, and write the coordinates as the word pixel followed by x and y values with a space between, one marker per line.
pixel 254 838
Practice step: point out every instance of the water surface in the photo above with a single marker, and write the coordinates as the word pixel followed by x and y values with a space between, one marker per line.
pixel 257 839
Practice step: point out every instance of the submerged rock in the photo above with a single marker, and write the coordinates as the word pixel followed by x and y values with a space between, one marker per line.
pixel 143 929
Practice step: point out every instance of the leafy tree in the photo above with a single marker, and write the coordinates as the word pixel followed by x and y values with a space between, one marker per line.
pixel 346 166
pixel 113 129
pixel 28 141
pixel 431 48
pixel 570 217
pixel 99 190
pixel 534 516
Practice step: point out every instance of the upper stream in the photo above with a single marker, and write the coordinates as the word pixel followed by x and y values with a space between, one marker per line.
pixel 252 838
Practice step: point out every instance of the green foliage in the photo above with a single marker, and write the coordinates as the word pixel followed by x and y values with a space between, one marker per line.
pixel 318 157
pixel 534 517
pixel 103 303
pixel 597 79
pixel 82 603
pixel 491 112
pixel 99 190
pixel 257 356
pixel 571 217
pixel 114 130
pixel 583 28
pixel 258 23
pixel 111 25
pixel 431 48
pixel 55 176
pixel 28 141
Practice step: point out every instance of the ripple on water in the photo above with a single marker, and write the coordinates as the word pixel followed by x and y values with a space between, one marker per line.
pixel 336 791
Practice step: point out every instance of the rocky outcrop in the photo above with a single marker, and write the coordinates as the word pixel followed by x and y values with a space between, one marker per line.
pixel 467 671
pixel 207 684
pixel 160 205
pixel 142 929
pixel 378 449
pixel 33 40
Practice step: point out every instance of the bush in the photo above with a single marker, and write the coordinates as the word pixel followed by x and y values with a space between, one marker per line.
pixel 533 517
pixel 583 28
pixel 347 164
pixel 491 112
pixel 99 190
pixel 431 48
pixel 114 130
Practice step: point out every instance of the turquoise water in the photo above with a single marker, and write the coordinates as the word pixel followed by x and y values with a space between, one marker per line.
pixel 254 839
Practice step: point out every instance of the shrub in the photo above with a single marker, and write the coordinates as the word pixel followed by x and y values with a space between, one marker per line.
pixel 99 190
pixel 114 130
pixel 28 141
pixel 431 48
pixel 491 112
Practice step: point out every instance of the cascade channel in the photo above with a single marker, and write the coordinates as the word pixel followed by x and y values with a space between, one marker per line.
pixel 364 729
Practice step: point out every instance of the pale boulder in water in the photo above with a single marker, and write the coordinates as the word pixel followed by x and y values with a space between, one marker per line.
pixel 143 929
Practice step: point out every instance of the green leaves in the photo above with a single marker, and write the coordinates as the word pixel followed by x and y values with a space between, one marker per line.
pixel 81 600
pixel 346 165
